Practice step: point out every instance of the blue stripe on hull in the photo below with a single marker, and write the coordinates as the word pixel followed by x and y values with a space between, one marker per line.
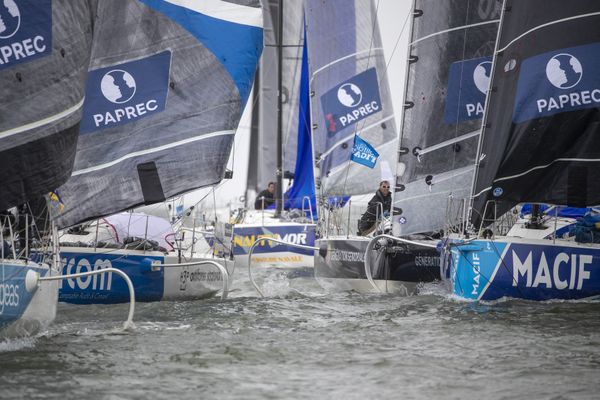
pixel 110 288
pixel 489 270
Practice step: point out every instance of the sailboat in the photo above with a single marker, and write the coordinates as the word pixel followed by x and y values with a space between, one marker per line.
pixel 354 135
pixel 167 84
pixel 540 143
pixel 449 67
pixel 281 235
pixel 45 49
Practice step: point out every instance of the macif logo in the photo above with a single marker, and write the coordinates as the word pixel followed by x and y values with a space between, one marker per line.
pixel 564 71
pixel 127 92
pixel 118 86
pixel 468 82
pixel 556 82
pixel 10 19
pixel 349 95
pixel 351 101
pixel 25 31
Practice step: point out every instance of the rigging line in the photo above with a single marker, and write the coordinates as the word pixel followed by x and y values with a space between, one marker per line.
pixel 150 151
pixel 42 122
pixel 447 143
pixel 558 21
pixel 460 90
pixel 452 30
pixel 515 282
pixel 505 178
pixel 396 44
pixel 374 23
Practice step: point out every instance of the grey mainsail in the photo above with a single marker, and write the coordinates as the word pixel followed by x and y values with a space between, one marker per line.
pixel 450 53
pixel 44 53
pixel 350 95
pixel 167 84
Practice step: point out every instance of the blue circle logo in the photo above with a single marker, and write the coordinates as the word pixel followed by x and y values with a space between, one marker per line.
pixel 402 220
pixel 349 95
pixel 10 18
pixel 118 86
pixel 498 192
pixel 564 71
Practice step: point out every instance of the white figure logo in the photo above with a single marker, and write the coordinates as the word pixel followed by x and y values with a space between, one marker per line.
pixel 349 95
pixel 118 86
pixel 10 18
pixel 564 71
pixel 481 76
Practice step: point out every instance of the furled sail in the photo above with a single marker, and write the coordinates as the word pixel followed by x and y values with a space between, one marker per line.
pixel 350 95
pixel 44 54
pixel 450 59
pixel 167 84
pixel 541 141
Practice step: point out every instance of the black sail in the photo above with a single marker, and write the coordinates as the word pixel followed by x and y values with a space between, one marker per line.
pixel 541 141
pixel 45 50
pixel 449 67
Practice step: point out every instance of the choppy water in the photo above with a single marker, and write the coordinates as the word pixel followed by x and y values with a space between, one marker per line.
pixel 300 343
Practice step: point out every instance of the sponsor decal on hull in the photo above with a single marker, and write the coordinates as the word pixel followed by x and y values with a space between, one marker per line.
pixel 109 288
pixel 491 270
pixel 14 297
pixel 244 238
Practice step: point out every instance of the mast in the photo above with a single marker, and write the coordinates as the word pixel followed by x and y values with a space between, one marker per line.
pixel 279 172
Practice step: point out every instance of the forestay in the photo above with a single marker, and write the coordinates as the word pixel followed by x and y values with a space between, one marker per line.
pixel 450 59
pixel 167 84
pixel 350 94
pixel 541 141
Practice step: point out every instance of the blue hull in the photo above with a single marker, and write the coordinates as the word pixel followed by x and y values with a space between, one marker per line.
pixel 109 288
pixel 14 297
pixel 537 270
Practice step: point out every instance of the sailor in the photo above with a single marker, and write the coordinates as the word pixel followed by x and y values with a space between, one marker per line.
pixel 381 202
pixel 266 197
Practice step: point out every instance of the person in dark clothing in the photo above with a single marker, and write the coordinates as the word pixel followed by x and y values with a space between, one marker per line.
pixel 368 220
pixel 266 197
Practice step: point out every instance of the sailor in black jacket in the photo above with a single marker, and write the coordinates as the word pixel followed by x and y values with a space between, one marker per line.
pixel 383 196
pixel 266 197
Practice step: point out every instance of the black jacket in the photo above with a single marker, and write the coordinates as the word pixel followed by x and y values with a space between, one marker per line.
pixel 269 199
pixel 368 218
